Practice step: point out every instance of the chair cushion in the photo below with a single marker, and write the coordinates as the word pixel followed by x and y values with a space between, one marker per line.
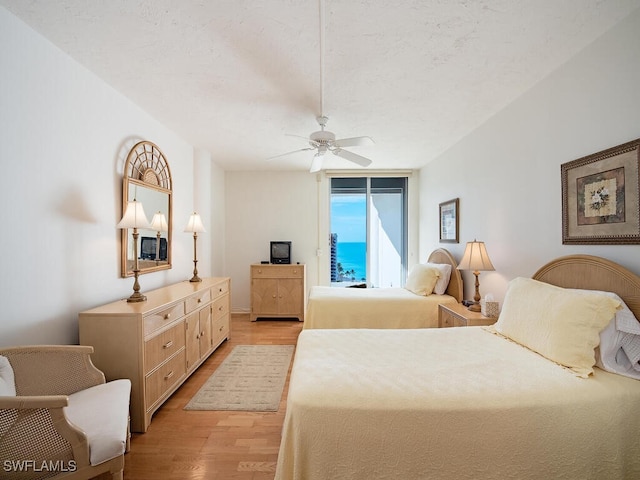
pixel 7 379
pixel 102 412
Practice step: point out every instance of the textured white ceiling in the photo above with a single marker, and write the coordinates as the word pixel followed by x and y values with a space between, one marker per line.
pixel 235 76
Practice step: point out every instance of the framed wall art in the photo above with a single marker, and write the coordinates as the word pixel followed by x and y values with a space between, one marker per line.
pixel 449 222
pixel 601 197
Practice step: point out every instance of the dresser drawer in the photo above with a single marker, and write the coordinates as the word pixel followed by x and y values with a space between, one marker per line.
pixel 220 290
pixel 220 307
pixel 279 271
pixel 197 300
pixel 164 379
pixel 162 346
pixel 162 318
pixel 220 329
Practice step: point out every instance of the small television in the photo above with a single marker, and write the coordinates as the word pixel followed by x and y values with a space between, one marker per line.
pixel 148 248
pixel 280 252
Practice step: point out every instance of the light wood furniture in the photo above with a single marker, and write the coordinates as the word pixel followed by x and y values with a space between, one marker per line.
pixel 458 315
pixel 278 291
pixel 147 178
pixel 46 421
pixel 593 273
pixel 157 344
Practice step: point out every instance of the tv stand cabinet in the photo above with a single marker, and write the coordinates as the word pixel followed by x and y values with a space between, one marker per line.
pixel 278 291
pixel 158 343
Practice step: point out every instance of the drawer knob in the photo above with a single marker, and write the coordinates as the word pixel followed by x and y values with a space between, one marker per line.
pixel 221 327
pixel 168 344
pixel 202 334
pixel 199 300
pixel 220 290
pixel 167 316
pixel 220 308
pixel 168 375
pixel 274 296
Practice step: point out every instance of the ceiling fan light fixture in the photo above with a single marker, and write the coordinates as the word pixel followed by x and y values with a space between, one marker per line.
pixel 316 163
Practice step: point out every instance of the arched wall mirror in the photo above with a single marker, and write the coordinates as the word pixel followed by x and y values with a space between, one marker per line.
pixel 147 179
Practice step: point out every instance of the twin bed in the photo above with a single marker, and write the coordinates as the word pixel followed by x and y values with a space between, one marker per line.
pixel 469 402
pixel 330 307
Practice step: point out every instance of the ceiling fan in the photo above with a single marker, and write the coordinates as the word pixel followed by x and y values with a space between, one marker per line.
pixel 324 141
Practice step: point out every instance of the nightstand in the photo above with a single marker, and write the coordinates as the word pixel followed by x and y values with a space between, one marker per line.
pixel 460 316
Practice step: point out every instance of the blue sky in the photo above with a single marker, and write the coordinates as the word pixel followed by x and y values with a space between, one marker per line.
pixel 348 217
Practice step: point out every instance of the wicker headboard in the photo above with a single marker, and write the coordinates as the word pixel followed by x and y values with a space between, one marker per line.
pixel 593 273
pixel 455 288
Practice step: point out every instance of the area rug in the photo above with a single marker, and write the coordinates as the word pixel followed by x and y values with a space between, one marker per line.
pixel 251 378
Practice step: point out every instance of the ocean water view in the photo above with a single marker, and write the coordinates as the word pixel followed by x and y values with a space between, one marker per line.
pixel 352 256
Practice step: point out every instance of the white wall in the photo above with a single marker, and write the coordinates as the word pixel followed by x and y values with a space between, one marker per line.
pixel 208 201
pixel 507 172
pixel 217 238
pixel 64 136
pixel 265 206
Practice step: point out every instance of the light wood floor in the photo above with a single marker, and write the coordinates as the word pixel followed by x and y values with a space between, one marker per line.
pixel 184 445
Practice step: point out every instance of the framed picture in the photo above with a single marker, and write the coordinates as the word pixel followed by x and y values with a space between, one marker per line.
pixel 601 197
pixel 449 224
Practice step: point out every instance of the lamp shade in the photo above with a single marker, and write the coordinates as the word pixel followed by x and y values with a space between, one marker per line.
pixel 194 224
pixel 475 257
pixel 159 223
pixel 134 216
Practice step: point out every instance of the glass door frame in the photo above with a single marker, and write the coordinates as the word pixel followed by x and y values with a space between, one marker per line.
pixel 324 206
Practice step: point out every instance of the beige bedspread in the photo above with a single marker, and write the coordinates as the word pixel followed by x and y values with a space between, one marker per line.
pixel 455 403
pixel 331 307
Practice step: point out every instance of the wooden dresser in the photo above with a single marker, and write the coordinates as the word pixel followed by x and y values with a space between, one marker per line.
pixel 158 343
pixel 278 291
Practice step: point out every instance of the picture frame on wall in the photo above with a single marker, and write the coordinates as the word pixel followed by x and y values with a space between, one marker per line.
pixel 601 197
pixel 449 221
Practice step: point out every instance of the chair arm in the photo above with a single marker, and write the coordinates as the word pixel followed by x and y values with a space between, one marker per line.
pixel 35 401
pixel 36 428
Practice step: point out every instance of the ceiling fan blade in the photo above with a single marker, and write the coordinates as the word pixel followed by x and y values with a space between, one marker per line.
pixel 354 142
pixel 290 153
pixel 316 163
pixel 353 157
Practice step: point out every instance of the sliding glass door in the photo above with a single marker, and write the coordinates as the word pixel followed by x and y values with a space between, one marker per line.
pixel 368 221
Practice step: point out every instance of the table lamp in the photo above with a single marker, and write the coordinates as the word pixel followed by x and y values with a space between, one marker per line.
pixel 159 224
pixel 475 258
pixel 195 225
pixel 135 218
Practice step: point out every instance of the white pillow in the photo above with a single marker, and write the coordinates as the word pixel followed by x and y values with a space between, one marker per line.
pixel 422 279
pixel 619 338
pixel 7 380
pixel 560 324
pixel 445 275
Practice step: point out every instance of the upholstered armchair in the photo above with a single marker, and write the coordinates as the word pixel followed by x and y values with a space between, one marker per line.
pixel 58 416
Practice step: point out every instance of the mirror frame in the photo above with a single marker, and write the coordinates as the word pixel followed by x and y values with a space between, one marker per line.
pixel 146 167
